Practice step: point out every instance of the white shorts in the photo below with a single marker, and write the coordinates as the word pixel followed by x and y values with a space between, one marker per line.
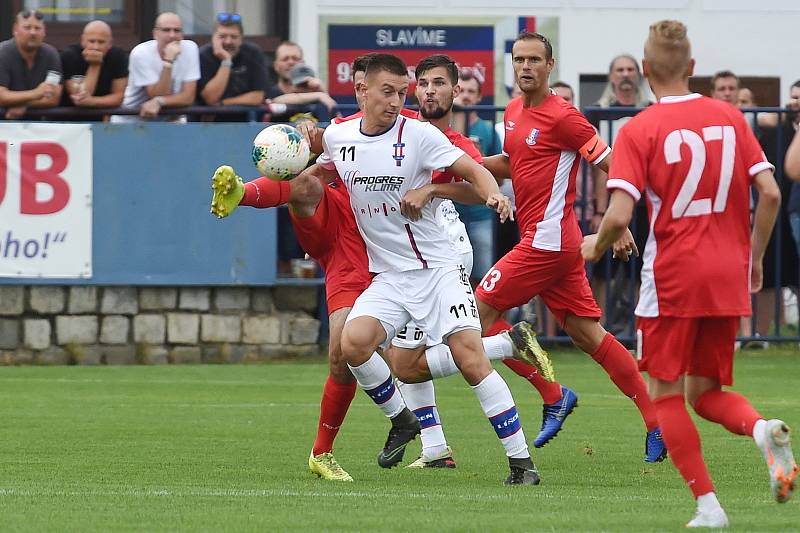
pixel 439 300
pixel 413 336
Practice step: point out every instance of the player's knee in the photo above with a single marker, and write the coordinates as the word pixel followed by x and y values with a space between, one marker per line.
pixel 337 366
pixel 359 340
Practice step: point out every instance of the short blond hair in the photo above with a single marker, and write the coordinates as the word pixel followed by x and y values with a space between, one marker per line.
pixel 667 51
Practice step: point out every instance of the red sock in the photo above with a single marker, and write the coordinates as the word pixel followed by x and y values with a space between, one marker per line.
pixel 336 398
pixel 264 192
pixel 550 392
pixel 729 409
pixel 620 366
pixel 683 442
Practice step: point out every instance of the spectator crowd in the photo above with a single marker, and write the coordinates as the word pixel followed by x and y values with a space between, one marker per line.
pixel 169 72
pixel 165 72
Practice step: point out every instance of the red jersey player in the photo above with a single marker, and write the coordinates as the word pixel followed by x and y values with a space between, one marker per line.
pixel 695 159
pixel 545 139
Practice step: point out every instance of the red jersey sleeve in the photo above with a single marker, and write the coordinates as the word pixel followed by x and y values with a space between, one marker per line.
pixel 576 133
pixel 629 165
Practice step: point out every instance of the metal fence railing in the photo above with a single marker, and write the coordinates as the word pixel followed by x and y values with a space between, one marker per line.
pixel 775 309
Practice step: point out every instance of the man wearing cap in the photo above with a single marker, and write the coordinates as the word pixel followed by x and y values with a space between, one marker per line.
pixel 163 72
pixel 30 69
pixel 232 72
pixel 297 84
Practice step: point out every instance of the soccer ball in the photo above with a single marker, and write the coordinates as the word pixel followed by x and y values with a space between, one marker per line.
pixel 280 152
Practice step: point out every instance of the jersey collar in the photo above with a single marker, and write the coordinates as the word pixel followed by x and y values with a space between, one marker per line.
pixel 387 130
pixel 678 99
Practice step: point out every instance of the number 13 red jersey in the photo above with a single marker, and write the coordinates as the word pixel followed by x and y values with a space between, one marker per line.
pixel 694 158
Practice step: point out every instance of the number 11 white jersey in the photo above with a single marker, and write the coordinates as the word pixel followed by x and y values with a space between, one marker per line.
pixel 378 170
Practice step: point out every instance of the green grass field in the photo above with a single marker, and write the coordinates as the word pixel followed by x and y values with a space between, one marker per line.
pixel 224 448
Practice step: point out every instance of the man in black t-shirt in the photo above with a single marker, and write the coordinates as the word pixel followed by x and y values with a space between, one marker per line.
pixel 95 72
pixel 232 72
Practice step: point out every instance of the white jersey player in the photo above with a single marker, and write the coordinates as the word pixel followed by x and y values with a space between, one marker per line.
pixel 380 158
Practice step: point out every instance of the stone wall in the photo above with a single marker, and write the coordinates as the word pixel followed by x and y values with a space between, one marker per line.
pixel 44 324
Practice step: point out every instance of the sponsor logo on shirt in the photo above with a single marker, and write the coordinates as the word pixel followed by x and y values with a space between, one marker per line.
pixel 379 183
pixel 378 209
pixel 532 136
pixel 510 125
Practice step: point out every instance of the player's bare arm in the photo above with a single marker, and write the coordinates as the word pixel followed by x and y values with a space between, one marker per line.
pixel 614 232
pixel 414 200
pixel 769 201
pixel 498 165
pixel 791 165
pixel 485 185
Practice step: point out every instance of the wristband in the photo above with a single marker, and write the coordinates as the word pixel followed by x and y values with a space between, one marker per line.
pixel 226 63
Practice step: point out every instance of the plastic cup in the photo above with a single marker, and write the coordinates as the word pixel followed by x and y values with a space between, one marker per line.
pixel 53 77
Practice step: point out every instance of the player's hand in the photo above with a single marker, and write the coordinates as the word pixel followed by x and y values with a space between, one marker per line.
pixel 500 203
pixel 414 201
pixel 309 130
pixel 589 249
pixel 756 277
pixel 625 247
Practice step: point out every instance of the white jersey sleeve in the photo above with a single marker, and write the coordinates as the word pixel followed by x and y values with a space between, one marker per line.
pixel 438 152
pixel 325 160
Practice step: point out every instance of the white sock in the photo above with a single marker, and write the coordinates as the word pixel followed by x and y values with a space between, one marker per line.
pixel 421 399
pixel 707 502
pixel 758 433
pixel 375 378
pixel 440 361
pixel 498 405
pixel 498 347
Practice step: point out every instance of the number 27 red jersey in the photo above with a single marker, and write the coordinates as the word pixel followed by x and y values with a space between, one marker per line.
pixel 694 158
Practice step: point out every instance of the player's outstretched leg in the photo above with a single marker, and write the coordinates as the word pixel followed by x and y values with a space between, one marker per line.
pixel 528 350
pixel 228 191
pixel 421 399
pixel 773 437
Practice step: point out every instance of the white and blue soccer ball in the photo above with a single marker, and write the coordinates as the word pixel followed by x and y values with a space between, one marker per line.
pixel 280 152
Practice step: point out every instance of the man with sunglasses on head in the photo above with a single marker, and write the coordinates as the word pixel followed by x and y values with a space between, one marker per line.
pixel 25 62
pixel 232 72
pixel 163 72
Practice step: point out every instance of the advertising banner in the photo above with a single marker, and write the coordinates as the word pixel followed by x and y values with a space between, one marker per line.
pixel 45 200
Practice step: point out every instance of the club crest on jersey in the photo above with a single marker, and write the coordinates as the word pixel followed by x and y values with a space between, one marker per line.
pixel 532 136
pixel 398 152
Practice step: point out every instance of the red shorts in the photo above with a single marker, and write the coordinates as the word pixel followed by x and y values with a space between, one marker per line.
pixel 524 272
pixel 671 347
pixel 331 237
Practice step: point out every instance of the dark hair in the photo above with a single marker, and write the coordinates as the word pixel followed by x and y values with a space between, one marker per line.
pixel 796 84
pixel 388 63
pixel 533 36
pixel 723 74
pixel 468 75
pixel 563 84
pixel 438 60
pixel 228 20
pixel 360 63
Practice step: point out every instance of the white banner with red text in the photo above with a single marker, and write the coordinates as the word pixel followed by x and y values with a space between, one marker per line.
pixel 45 200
